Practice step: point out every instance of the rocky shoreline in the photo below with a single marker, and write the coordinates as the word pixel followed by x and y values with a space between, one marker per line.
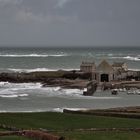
pixel 64 79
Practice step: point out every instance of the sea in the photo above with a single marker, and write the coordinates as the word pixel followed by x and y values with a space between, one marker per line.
pixel 32 97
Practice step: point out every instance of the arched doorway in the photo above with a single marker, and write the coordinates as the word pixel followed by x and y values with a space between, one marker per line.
pixel 104 78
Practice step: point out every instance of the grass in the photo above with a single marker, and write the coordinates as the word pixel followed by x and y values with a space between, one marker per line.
pixel 60 121
pixel 102 136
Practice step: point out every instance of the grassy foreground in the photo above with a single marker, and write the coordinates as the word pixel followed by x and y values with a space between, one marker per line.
pixel 60 121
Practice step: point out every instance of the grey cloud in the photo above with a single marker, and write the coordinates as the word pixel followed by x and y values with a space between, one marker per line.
pixel 7 2
pixel 61 3
pixel 69 22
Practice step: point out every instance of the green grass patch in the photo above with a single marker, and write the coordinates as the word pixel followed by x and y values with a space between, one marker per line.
pixel 60 121
pixel 102 136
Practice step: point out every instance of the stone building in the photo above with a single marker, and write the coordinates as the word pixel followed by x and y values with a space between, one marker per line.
pixel 121 66
pixel 105 72
pixel 88 67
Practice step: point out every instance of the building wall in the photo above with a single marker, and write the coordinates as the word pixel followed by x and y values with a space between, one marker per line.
pixel 87 68
pixel 122 67
pixel 125 67
pixel 114 73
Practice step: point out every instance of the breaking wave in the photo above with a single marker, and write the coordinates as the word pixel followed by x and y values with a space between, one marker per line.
pixel 19 85
pixel 60 92
pixel 19 90
pixel 72 93
pixel 14 90
pixel 44 110
pixel 37 69
pixel 32 55
pixel 127 58
pixel 132 58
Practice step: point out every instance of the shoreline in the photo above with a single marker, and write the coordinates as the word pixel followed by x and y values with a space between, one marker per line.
pixel 62 110
pixel 73 79
pixel 121 112
pixel 65 79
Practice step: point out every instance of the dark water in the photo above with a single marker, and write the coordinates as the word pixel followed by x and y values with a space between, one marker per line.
pixel 31 59
pixel 32 97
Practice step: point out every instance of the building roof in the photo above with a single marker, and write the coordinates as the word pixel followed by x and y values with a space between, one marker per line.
pixel 118 64
pixel 88 63
pixel 104 66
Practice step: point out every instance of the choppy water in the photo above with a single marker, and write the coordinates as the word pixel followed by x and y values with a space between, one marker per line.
pixel 32 97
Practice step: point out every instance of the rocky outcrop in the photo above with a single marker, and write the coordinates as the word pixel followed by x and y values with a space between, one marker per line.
pixel 66 83
pixel 64 79
pixel 30 77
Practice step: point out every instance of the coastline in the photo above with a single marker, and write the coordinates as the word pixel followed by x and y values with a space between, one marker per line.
pixel 61 78
pixel 70 85
pixel 74 79
pixel 126 109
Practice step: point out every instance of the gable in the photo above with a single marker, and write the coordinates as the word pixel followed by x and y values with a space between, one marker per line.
pixel 104 67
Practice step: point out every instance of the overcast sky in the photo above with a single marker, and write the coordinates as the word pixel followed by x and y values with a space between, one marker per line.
pixel 70 22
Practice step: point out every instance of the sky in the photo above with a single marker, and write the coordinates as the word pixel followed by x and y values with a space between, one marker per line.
pixel 69 23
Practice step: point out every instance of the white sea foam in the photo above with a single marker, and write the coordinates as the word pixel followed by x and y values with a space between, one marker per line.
pixel 15 86
pixel 9 96
pixel 61 109
pixel 23 95
pixel 31 70
pixel 14 90
pixel 44 110
pixel 57 91
pixel 37 69
pixel 73 93
pixel 110 54
pixel 127 58
pixel 33 55
pixel 132 58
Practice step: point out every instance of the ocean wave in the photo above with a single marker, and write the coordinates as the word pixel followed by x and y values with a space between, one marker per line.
pixel 14 90
pixel 8 93
pixel 37 69
pixel 60 92
pixel 62 109
pixel 44 110
pixel 31 70
pixel 23 95
pixel 16 86
pixel 132 58
pixel 73 93
pixel 9 96
pixel 34 110
pixel 127 58
pixel 33 55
